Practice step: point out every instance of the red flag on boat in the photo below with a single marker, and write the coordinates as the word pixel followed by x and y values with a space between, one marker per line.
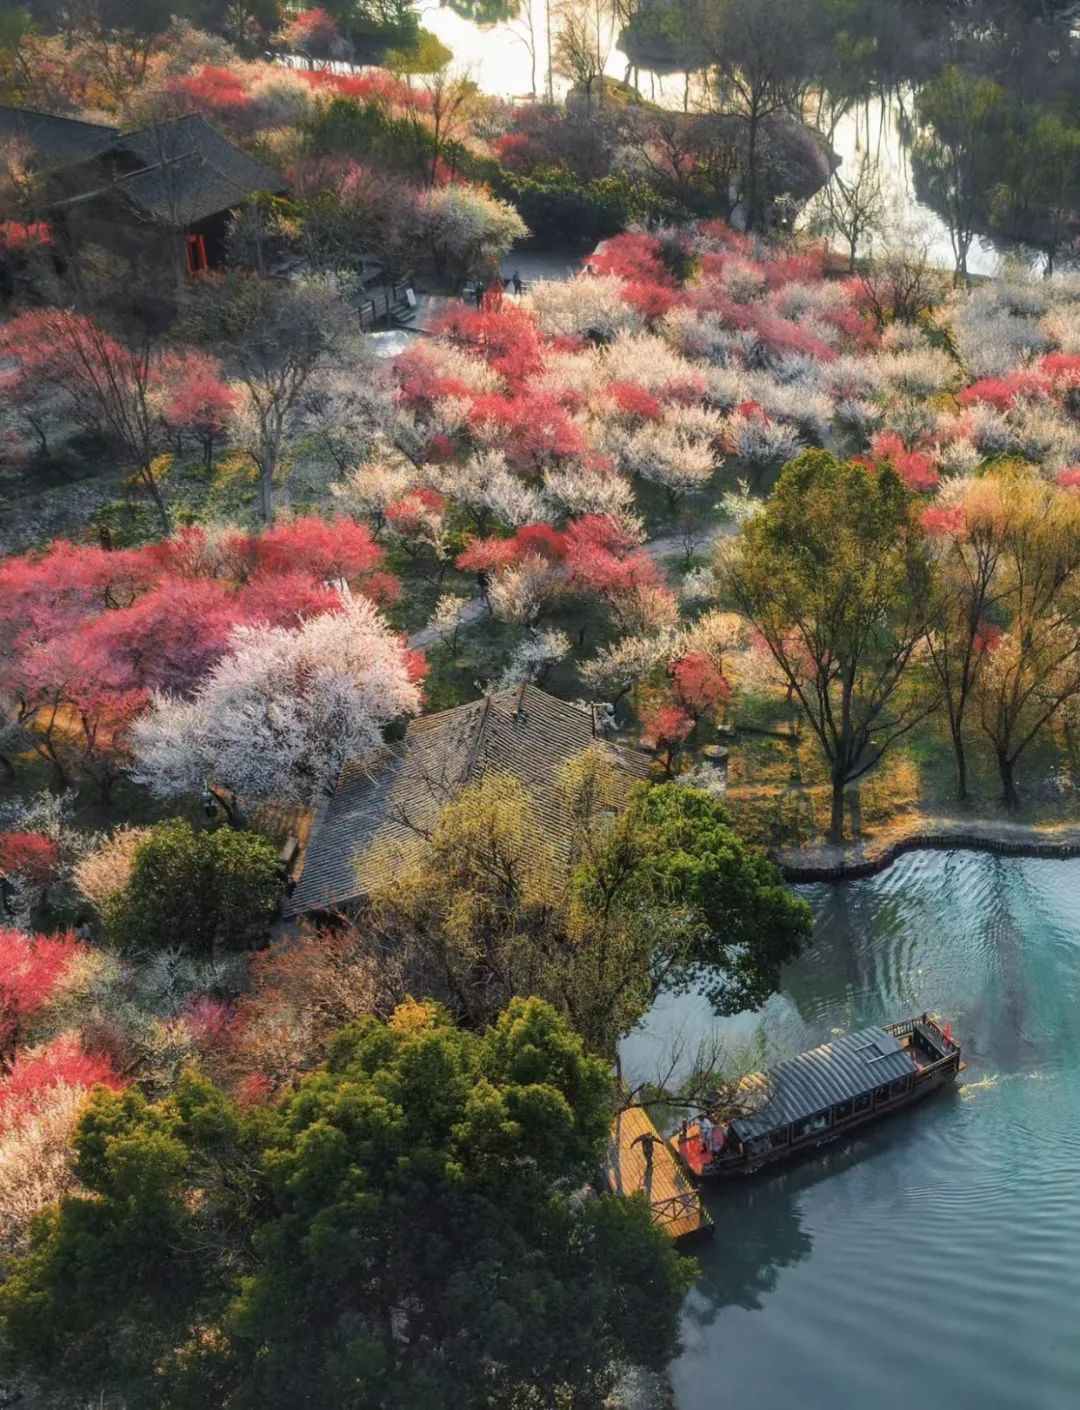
pixel 948 1033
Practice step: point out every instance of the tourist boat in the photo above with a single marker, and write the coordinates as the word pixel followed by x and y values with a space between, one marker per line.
pixel 821 1096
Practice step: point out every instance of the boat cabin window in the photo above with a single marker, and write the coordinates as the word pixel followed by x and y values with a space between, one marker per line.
pixel 841 1111
pixel 778 1138
pixel 900 1086
pixel 810 1126
pixel 882 1094
pixel 863 1103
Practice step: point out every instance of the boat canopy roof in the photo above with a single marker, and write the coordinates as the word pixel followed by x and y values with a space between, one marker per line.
pixel 836 1072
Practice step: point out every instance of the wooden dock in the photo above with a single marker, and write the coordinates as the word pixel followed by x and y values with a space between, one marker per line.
pixel 675 1204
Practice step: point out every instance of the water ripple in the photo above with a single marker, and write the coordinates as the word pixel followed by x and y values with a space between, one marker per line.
pixel 933 1258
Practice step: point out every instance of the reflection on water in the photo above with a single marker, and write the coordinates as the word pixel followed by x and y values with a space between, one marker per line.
pixel 936 1255
pixel 489 41
pixel 883 128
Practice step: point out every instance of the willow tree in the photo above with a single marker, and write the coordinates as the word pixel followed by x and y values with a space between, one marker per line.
pixel 834 575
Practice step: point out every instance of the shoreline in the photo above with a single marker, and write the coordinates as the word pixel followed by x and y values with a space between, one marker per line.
pixel 849 861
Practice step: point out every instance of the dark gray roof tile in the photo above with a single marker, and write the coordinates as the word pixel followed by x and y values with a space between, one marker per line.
pixel 192 171
pixel 52 140
pixel 399 791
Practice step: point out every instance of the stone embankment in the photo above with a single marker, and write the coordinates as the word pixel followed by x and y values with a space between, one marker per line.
pixel 828 861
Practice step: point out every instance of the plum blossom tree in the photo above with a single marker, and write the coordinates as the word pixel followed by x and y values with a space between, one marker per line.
pixel 466 230
pixel 617 670
pixel 582 489
pixel 662 453
pixel 41 1096
pixel 197 401
pixel 532 659
pixel 105 386
pixel 485 487
pixel 279 715
pixel 369 489
pixel 699 684
pixel 585 307
pixel 279 336
pixel 666 727
pixel 33 969
pixel 106 869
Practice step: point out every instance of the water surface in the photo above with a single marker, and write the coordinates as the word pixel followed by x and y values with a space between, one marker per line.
pixel 936 1259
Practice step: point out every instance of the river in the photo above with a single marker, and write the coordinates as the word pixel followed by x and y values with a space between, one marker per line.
pixel 935 1259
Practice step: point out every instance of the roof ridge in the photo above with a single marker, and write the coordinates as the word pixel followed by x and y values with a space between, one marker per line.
pixel 60 117
pixel 481 730
pixel 165 122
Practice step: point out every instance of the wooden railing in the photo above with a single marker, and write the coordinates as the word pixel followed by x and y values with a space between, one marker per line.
pixel 670 1211
pixel 382 306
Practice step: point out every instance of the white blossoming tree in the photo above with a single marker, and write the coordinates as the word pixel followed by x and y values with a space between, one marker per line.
pixel 279 715
pixel 466 229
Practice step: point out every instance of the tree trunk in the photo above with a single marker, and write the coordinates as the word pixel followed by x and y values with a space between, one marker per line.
pixel 751 173
pixel 228 805
pixel 836 817
pixel 1008 781
pixel 266 491
pixel 146 475
pixel 961 763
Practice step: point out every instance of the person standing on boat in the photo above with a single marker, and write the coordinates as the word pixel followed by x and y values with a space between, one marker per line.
pixel 705 1127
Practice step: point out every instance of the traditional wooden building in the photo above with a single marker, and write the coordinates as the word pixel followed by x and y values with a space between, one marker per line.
pixel 162 194
pixel 397 792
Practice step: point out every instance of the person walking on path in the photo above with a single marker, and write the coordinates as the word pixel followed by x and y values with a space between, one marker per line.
pixel 518 283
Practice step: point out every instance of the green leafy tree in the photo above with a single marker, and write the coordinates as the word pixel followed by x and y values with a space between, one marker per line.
pixel 957 159
pixel 113 1278
pixel 663 895
pixel 834 574
pixel 1037 196
pixel 404 1232
pixel 745 922
pixel 373 26
pixel 427 1249
pixel 196 890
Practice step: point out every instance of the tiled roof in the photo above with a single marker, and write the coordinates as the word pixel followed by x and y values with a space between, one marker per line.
pixel 192 171
pixel 835 1072
pixel 398 791
pixel 55 141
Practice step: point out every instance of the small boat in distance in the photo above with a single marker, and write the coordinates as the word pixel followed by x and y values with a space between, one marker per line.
pixel 820 1096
